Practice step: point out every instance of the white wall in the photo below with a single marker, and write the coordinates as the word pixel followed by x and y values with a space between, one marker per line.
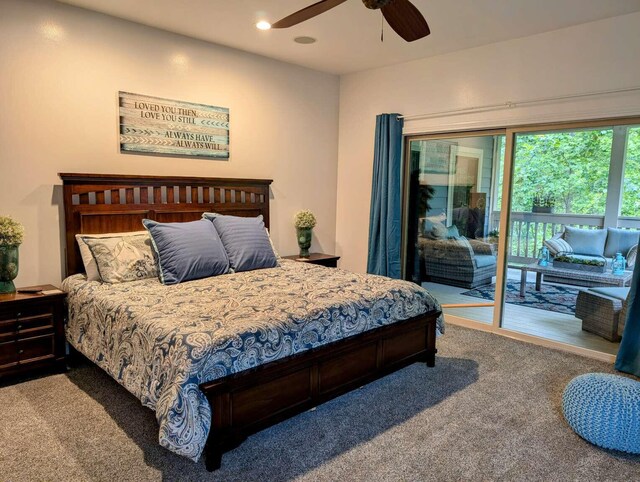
pixel 591 57
pixel 60 70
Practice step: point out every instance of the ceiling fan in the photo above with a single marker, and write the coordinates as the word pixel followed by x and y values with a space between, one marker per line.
pixel 402 16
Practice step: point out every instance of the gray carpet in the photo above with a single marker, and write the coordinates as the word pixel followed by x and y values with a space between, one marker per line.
pixel 490 410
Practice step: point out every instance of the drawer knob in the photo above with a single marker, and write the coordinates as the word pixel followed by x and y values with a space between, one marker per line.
pixel 20 352
pixel 18 314
pixel 19 327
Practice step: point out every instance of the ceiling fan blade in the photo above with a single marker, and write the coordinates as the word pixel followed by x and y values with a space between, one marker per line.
pixel 406 20
pixel 307 13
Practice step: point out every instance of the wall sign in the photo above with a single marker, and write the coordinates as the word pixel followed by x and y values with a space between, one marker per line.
pixel 152 125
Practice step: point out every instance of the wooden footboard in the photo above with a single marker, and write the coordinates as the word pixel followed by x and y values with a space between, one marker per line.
pixel 254 399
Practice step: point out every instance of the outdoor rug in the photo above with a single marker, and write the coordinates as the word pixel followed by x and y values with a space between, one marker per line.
pixel 549 298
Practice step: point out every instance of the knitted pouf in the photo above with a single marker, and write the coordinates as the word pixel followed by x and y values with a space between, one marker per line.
pixel 605 410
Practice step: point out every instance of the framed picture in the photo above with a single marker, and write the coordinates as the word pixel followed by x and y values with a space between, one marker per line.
pixel 465 180
pixel 153 125
pixel 466 166
pixel 437 157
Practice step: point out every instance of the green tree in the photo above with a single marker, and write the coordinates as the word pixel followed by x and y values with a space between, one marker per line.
pixel 573 167
pixel 631 188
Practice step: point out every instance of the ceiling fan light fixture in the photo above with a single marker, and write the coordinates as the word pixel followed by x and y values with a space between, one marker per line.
pixel 304 40
pixel 263 25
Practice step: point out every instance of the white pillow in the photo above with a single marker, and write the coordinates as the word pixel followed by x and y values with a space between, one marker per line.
pixel 90 266
pixel 272 246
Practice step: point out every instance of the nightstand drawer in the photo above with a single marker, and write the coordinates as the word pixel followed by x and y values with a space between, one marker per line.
pixel 25 311
pixel 8 354
pixel 25 323
pixel 36 348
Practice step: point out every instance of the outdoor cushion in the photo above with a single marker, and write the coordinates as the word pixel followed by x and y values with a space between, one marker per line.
pixel 620 241
pixel 483 260
pixel 586 241
pixel 604 409
pixel 452 232
pixel 631 257
pixel 618 293
pixel 558 245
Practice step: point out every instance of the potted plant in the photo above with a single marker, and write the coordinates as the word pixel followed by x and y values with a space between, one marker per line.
pixel 304 221
pixel 543 203
pixel 11 236
pixel 566 261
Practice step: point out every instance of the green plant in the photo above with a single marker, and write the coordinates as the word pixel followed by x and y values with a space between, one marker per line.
pixel 544 200
pixel 304 219
pixel 11 232
pixel 563 258
pixel 494 234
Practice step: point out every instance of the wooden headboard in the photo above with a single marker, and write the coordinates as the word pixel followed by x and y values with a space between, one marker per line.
pixel 99 203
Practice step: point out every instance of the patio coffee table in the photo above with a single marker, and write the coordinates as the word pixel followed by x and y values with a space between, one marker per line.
pixel 596 279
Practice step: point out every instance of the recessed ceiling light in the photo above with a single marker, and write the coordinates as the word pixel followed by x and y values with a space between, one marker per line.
pixel 304 40
pixel 263 25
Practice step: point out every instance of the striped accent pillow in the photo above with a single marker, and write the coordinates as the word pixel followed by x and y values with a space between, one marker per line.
pixel 186 251
pixel 245 240
pixel 631 256
pixel 558 245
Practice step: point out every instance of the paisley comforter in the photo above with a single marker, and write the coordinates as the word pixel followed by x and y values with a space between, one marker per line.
pixel 160 342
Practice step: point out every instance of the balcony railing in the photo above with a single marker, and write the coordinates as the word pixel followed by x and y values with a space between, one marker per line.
pixel 528 231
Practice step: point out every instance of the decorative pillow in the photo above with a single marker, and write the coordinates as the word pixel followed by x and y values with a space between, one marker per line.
pixel 557 245
pixel 245 240
pixel 620 241
pixel 452 232
pixel 90 267
pixel 631 256
pixel 123 258
pixel 277 255
pixel 586 241
pixel 435 230
pixel 187 251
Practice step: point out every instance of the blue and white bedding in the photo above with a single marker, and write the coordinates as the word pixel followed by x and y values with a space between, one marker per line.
pixel 161 342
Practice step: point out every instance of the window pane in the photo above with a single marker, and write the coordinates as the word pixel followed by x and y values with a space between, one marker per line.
pixel 452 234
pixel 631 187
pixel 569 170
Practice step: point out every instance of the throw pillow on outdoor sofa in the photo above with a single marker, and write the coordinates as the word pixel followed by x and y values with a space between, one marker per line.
pixel 620 241
pixel 589 242
pixel 557 245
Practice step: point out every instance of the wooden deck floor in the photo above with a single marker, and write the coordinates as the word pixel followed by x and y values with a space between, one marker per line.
pixel 546 324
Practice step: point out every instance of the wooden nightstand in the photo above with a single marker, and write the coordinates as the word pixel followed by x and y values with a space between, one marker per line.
pixel 31 332
pixel 328 260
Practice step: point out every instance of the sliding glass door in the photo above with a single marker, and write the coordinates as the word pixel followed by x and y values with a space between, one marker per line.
pixel 451 235
pixel 574 206
pixel 530 231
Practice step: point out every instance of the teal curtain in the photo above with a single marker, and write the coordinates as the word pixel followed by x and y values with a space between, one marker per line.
pixel 628 359
pixel 386 203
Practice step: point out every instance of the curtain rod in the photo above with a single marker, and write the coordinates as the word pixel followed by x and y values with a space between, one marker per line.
pixel 511 104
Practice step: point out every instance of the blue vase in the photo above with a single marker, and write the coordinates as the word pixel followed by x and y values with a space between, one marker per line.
pixel 618 265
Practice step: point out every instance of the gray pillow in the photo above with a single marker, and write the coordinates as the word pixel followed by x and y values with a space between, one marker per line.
pixel 187 251
pixel 245 240
pixel 586 241
pixel 620 241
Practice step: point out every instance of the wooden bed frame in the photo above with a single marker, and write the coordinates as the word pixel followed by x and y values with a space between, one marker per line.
pixel 252 400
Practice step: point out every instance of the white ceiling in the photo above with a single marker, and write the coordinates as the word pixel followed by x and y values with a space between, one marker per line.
pixel 349 35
